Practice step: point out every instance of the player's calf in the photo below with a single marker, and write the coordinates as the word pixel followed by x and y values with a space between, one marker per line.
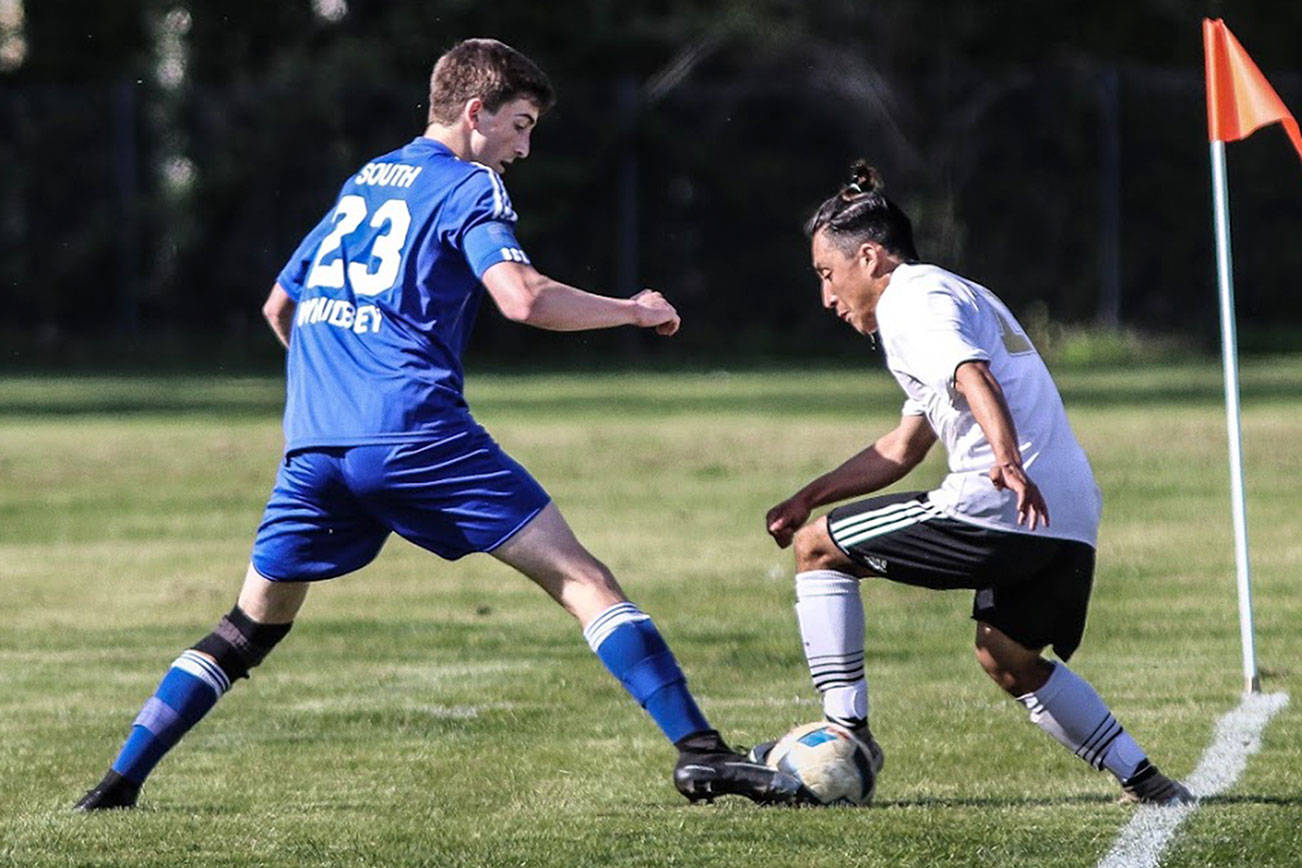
pixel 626 640
pixel 630 646
pixel 1067 708
pixel 189 690
pixel 830 614
pixel 1017 670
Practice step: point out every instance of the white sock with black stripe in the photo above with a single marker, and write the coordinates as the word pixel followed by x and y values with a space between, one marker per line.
pixel 1071 711
pixel 830 614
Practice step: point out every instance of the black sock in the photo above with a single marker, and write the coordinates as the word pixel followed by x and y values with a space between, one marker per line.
pixel 705 741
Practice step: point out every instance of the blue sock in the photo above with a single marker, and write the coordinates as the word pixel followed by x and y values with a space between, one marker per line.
pixel 629 644
pixel 186 693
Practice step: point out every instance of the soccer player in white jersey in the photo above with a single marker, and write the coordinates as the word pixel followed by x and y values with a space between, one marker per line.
pixel 974 381
pixel 375 308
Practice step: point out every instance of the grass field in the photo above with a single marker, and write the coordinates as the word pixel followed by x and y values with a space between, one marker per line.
pixel 447 714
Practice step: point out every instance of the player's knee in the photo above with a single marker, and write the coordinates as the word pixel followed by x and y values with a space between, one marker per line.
pixel 239 643
pixel 815 550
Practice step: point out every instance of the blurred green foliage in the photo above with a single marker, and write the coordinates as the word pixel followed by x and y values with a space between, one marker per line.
pixel 987 120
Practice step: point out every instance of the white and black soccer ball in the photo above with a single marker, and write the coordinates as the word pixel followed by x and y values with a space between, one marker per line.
pixel 832 764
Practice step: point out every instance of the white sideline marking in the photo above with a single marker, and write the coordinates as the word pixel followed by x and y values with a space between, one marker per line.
pixel 1238 736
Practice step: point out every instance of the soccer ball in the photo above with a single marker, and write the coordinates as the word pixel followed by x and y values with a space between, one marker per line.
pixel 831 763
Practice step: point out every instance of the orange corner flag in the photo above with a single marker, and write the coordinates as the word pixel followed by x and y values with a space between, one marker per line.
pixel 1239 99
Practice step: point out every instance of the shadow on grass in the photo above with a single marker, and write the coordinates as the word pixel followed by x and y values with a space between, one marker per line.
pixel 885 804
pixel 789 392
pixel 937 802
pixel 1250 799
pixel 132 396
pixel 346 806
pixel 993 802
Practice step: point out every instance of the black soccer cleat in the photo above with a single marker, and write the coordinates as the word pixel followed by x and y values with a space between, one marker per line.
pixel 1148 786
pixel 114 791
pixel 707 768
pixel 760 752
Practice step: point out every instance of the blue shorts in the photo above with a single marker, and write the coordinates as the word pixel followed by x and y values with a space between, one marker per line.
pixel 333 507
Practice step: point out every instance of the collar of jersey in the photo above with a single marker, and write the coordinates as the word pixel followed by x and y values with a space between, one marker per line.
pixel 427 142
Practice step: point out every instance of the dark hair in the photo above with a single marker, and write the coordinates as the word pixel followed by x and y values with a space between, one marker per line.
pixel 861 212
pixel 485 68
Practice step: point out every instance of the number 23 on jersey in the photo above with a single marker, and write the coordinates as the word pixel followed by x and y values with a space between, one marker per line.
pixel 392 219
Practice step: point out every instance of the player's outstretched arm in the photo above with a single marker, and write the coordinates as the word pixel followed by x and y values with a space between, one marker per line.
pixel 985 398
pixel 279 312
pixel 886 461
pixel 525 295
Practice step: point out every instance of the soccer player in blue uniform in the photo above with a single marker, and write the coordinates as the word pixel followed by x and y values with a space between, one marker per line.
pixel 375 308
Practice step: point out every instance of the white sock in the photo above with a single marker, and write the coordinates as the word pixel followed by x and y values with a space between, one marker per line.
pixel 1070 710
pixel 830 614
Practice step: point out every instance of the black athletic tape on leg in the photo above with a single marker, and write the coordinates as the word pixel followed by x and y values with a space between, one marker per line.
pixel 239 643
pixel 227 657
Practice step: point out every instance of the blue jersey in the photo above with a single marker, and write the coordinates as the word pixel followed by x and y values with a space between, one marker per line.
pixel 387 287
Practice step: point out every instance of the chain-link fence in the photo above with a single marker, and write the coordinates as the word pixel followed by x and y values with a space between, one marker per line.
pixel 1077 191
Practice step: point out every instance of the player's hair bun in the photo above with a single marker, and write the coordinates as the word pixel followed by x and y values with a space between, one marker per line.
pixel 860 212
pixel 864 179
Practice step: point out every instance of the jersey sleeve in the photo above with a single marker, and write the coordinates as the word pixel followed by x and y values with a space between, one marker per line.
pixel 934 333
pixel 480 222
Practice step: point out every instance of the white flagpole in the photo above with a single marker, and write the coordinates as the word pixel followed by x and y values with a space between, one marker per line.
pixel 1230 358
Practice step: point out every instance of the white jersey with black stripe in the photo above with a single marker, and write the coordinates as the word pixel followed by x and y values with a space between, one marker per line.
pixel 930 321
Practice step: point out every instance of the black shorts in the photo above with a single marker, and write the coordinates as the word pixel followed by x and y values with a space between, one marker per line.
pixel 1036 589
